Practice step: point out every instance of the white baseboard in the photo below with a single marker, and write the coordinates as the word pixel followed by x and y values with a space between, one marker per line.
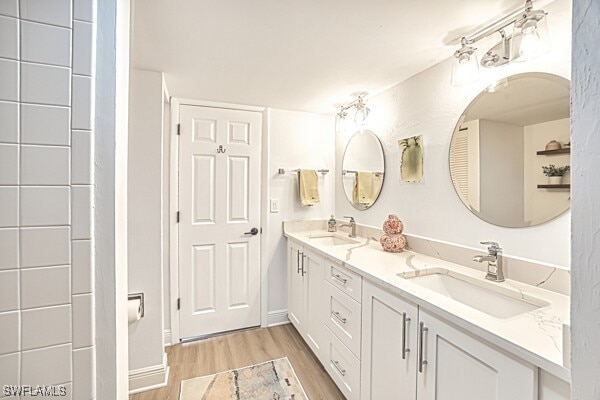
pixel 143 379
pixel 167 337
pixel 277 317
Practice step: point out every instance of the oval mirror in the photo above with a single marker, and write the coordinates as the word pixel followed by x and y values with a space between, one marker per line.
pixel 502 141
pixel 363 169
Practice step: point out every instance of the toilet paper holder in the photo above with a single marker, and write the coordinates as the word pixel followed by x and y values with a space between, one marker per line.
pixel 140 297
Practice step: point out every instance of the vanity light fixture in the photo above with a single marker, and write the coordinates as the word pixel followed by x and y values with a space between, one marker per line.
pixel 362 111
pixel 529 39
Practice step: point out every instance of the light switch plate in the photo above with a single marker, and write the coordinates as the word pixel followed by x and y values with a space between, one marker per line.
pixel 274 205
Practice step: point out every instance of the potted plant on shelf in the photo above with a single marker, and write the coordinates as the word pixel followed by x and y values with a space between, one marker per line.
pixel 555 174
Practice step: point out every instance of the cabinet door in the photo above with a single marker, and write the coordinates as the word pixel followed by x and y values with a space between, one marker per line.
pixel 455 365
pixel 296 307
pixel 389 346
pixel 316 309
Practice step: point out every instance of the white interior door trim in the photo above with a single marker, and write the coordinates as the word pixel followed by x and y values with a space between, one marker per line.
pixel 174 205
pixel 264 220
pixel 215 104
pixel 174 239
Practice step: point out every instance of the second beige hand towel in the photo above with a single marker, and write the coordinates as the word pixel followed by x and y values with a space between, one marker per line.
pixel 363 188
pixel 308 182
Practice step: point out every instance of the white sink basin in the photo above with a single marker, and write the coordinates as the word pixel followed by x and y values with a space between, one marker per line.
pixel 488 297
pixel 330 239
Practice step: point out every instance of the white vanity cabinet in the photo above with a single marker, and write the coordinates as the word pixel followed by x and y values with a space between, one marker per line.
pixel 376 344
pixel 307 297
pixel 410 354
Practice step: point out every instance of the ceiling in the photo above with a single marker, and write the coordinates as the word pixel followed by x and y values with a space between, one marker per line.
pixel 308 55
pixel 531 98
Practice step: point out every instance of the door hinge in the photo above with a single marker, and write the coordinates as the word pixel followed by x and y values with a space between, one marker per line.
pixel 179 303
pixel 177 217
pixel 178 129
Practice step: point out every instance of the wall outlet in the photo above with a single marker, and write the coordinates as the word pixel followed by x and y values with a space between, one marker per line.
pixel 274 205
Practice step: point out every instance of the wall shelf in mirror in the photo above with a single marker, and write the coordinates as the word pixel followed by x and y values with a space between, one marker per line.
pixel 553 152
pixel 555 186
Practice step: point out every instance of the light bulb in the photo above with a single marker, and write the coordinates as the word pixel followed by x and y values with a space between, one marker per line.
pixel 465 67
pixel 463 72
pixel 497 85
pixel 530 44
pixel 362 113
pixel 530 37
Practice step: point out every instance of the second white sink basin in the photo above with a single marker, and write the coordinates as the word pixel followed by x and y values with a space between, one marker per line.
pixel 331 239
pixel 488 297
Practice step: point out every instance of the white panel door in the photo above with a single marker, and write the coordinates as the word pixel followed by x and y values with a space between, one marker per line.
pixel 453 365
pixel 219 195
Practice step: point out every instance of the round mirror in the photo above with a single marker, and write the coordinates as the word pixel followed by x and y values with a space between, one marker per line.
pixel 363 169
pixel 507 148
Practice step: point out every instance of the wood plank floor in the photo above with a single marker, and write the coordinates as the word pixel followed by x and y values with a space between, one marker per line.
pixel 236 350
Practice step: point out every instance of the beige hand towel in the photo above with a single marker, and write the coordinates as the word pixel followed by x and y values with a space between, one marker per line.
pixel 363 188
pixel 308 187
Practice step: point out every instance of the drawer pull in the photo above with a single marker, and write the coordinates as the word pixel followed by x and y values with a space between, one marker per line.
pixel 339 368
pixel 405 321
pixel 422 330
pixel 303 257
pixel 338 316
pixel 298 261
pixel 339 278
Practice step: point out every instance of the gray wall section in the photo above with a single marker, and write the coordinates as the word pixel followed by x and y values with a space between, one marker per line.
pixel 585 201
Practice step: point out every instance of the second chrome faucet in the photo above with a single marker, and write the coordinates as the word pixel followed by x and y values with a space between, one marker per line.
pixel 352 226
pixel 495 271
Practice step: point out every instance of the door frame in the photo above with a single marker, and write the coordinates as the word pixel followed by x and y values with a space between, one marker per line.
pixel 174 205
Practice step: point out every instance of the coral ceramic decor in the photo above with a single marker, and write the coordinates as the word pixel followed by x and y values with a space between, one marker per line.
pixel 393 225
pixel 393 240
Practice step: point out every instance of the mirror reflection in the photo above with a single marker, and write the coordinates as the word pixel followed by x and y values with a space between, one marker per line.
pixel 503 146
pixel 363 169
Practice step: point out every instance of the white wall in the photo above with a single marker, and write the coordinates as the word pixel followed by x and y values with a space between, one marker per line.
pixel 295 140
pixel 428 105
pixel 145 217
pixel 585 313
pixel 47 291
pixel 543 204
pixel 501 172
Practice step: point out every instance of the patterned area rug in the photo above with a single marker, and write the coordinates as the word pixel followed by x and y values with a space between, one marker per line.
pixel 272 380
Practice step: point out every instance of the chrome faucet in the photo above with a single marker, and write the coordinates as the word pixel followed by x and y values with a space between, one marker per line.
pixel 352 226
pixel 494 259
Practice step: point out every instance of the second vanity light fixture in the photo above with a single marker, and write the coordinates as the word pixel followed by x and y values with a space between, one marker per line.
pixel 361 113
pixel 529 39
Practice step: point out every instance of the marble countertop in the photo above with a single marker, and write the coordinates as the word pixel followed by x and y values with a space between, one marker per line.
pixel 534 336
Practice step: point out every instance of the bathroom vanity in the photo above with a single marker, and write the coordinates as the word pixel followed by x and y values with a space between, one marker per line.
pixel 410 326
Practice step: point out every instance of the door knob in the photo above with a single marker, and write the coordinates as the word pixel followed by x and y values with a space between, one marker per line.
pixel 253 231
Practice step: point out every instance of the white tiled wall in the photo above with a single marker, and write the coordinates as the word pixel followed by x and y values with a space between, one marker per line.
pixel 46 194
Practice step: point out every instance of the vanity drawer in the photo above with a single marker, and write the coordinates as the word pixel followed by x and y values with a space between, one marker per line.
pixel 344 318
pixel 343 367
pixel 344 279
